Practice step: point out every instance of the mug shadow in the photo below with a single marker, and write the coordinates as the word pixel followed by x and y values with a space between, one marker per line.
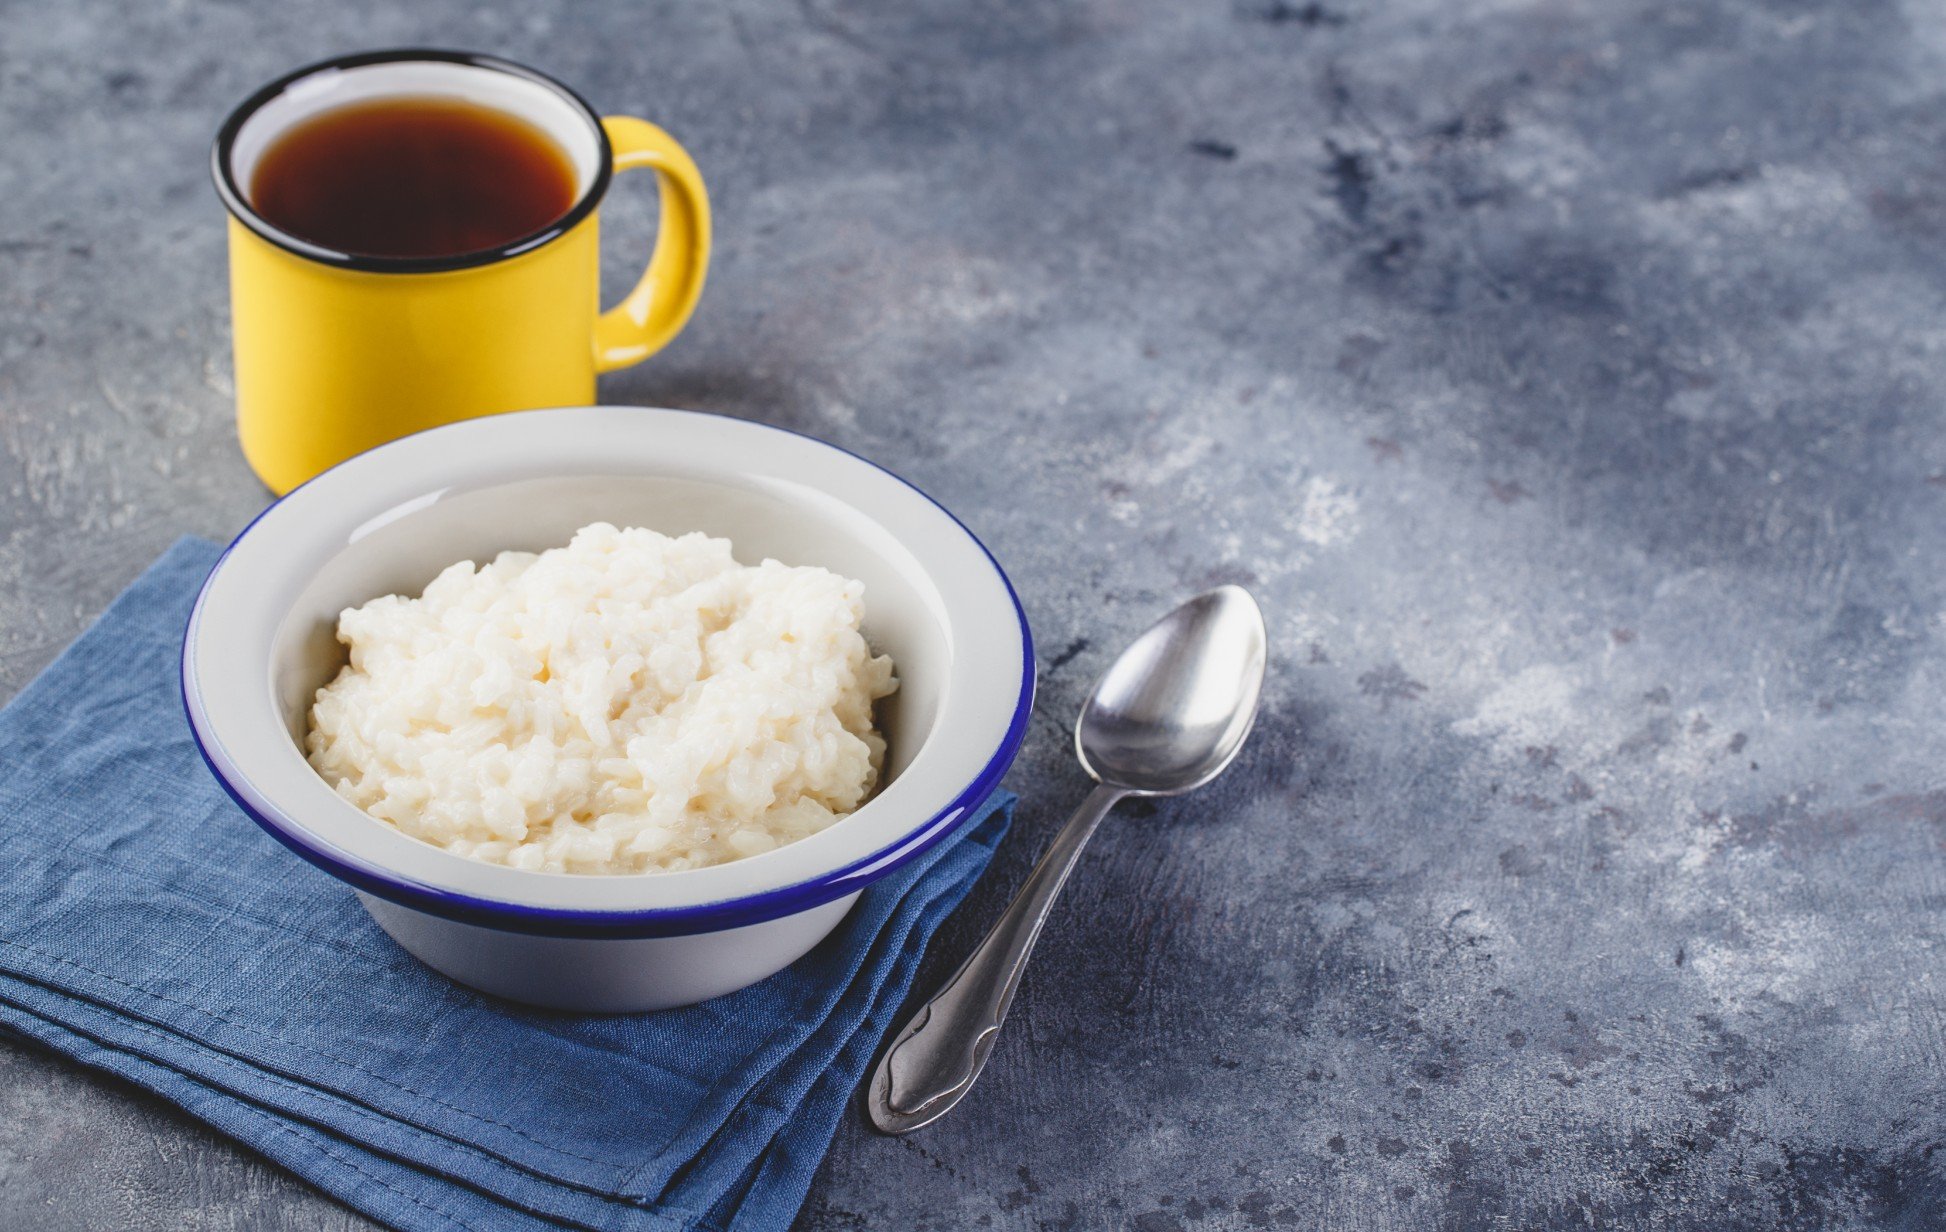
pixel 720 390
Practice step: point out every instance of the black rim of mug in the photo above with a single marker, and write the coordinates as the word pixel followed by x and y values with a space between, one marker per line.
pixel 240 208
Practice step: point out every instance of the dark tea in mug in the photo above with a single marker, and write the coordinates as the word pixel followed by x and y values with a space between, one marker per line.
pixel 413 177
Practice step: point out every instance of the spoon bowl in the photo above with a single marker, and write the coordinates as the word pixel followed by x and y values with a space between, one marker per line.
pixel 1174 708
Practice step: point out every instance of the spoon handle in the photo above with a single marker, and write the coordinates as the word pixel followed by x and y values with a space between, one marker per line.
pixel 934 1060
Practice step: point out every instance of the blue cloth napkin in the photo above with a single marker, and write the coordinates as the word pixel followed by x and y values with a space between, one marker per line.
pixel 151 930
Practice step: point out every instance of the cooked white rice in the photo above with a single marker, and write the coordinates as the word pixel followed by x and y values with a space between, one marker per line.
pixel 629 703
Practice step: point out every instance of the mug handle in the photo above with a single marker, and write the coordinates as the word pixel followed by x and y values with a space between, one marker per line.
pixel 659 305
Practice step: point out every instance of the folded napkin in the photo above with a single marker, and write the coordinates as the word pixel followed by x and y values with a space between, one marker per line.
pixel 151 930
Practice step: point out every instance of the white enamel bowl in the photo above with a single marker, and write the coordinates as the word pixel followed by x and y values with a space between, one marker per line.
pixel 261 641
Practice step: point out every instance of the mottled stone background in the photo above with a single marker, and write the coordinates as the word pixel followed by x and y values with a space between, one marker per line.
pixel 1562 374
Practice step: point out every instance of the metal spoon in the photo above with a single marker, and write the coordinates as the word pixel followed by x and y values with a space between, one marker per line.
pixel 1168 716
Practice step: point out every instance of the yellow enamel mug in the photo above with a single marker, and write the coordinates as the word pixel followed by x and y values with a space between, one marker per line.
pixel 338 352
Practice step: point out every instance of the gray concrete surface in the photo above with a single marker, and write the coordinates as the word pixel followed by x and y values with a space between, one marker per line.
pixel 1565 377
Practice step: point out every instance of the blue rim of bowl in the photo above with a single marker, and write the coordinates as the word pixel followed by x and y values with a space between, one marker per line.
pixel 711 917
